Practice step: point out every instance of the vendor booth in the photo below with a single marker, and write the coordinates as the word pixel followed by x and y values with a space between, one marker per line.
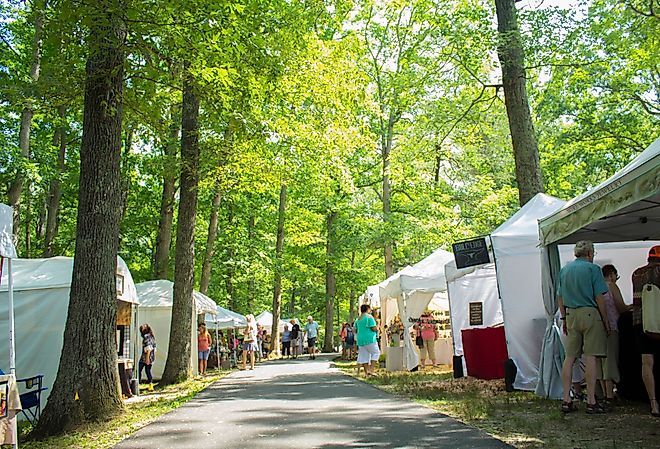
pixel 156 299
pixel 224 320
pixel 265 320
pixel 624 208
pixel 41 302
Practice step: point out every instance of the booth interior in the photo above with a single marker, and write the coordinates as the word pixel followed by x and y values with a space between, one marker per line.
pixel 225 325
pixel 41 300
pixel 156 300
pixel 625 209
pixel 400 300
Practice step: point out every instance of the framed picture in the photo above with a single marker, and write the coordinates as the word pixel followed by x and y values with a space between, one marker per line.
pixel 4 395
pixel 120 284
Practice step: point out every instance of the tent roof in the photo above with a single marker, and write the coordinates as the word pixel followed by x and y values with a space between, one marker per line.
pixel 265 318
pixel 56 272
pixel 160 293
pixel 6 238
pixel 428 274
pixel 225 318
pixel 626 207
pixel 525 221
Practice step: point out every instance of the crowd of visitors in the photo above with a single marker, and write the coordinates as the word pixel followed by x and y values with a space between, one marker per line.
pixel 590 303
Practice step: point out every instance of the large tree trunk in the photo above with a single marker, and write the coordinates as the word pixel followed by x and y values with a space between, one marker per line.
pixel 55 190
pixel 251 283
pixel 177 367
pixel 330 281
pixel 512 60
pixel 277 287
pixel 210 242
pixel 16 187
pixel 387 197
pixel 86 386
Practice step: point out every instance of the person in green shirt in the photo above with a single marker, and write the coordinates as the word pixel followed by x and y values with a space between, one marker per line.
pixel 367 340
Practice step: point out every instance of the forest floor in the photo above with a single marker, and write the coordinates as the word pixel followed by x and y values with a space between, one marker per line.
pixel 521 419
pixel 139 411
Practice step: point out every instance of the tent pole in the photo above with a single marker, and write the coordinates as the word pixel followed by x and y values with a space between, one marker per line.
pixel 10 295
pixel 136 346
pixel 217 344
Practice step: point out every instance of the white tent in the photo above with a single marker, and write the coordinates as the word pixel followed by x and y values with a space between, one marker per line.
pixel 470 285
pixel 224 319
pixel 624 208
pixel 265 319
pixel 156 299
pixel 41 292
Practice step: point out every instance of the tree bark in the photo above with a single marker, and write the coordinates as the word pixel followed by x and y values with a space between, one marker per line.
pixel 277 287
pixel 177 367
pixel 330 281
pixel 164 237
pixel 16 187
pixel 251 283
pixel 523 138
pixel 387 196
pixel 55 190
pixel 210 242
pixel 86 386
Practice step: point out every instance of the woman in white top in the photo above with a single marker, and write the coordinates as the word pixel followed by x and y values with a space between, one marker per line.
pixel 249 340
pixel 615 307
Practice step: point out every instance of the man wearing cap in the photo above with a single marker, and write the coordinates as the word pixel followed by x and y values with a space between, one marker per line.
pixel 584 320
pixel 312 332
pixel 646 344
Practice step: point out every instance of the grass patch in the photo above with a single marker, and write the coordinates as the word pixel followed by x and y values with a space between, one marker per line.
pixel 522 419
pixel 104 435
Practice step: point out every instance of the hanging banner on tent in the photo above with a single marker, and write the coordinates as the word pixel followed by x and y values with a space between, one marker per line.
pixel 476 313
pixel 471 252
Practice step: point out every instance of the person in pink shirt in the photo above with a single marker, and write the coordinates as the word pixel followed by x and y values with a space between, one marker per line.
pixel 429 333
pixel 203 347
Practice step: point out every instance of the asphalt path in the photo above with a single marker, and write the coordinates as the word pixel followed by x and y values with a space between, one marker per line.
pixel 303 404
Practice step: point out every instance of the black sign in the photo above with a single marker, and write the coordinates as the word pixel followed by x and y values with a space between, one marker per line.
pixel 476 314
pixel 471 253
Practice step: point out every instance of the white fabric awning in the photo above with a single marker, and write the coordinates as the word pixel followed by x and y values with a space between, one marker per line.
pixel 7 248
pixel 626 207
pixel 224 319
pixel 160 293
pixel 427 275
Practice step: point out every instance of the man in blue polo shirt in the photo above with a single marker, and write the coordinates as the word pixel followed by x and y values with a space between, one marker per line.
pixel 584 320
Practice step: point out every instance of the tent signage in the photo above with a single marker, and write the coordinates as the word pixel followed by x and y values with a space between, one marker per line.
pixel 471 252
pixel 476 313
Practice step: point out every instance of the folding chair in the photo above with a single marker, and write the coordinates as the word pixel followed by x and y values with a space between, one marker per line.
pixel 31 399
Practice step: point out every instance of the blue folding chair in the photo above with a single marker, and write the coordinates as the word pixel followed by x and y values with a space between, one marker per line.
pixel 31 398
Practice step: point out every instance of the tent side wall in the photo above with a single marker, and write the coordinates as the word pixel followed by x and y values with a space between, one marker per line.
pixel 40 318
pixel 160 320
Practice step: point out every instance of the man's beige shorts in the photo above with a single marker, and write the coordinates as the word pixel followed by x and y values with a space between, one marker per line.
pixel 586 333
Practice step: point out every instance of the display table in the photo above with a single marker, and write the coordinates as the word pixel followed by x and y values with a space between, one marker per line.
pixel 10 406
pixel 394 358
pixel 444 351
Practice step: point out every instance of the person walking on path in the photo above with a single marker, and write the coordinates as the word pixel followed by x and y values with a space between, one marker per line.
pixel 646 286
pixel 367 340
pixel 312 333
pixel 295 339
pixel 249 341
pixel 286 341
pixel 584 320
pixel 148 354
pixel 204 343
pixel 615 307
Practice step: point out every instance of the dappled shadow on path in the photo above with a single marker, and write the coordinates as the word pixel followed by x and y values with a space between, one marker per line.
pixel 309 409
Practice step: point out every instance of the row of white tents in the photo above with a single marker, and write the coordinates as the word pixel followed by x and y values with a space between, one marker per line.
pixel 517 288
pixel 33 312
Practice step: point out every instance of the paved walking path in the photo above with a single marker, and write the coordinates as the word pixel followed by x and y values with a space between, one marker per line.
pixel 304 404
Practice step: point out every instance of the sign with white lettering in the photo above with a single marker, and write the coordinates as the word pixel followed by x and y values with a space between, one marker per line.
pixel 471 252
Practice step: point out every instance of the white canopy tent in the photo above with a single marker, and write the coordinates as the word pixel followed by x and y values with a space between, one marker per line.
pixel 41 292
pixel 624 208
pixel 156 299
pixel 265 319
pixel 224 319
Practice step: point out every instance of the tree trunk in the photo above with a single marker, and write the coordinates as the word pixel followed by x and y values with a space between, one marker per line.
pixel 330 281
pixel 351 297
pixel 177 367
pixel 55 190
pixel 292 302
pixel 164 237
pixel 210 242
pixel 523 138
pixel 277 288
pixel 387 195
pixel 16 187
pixel 86 386
pixel 251 283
